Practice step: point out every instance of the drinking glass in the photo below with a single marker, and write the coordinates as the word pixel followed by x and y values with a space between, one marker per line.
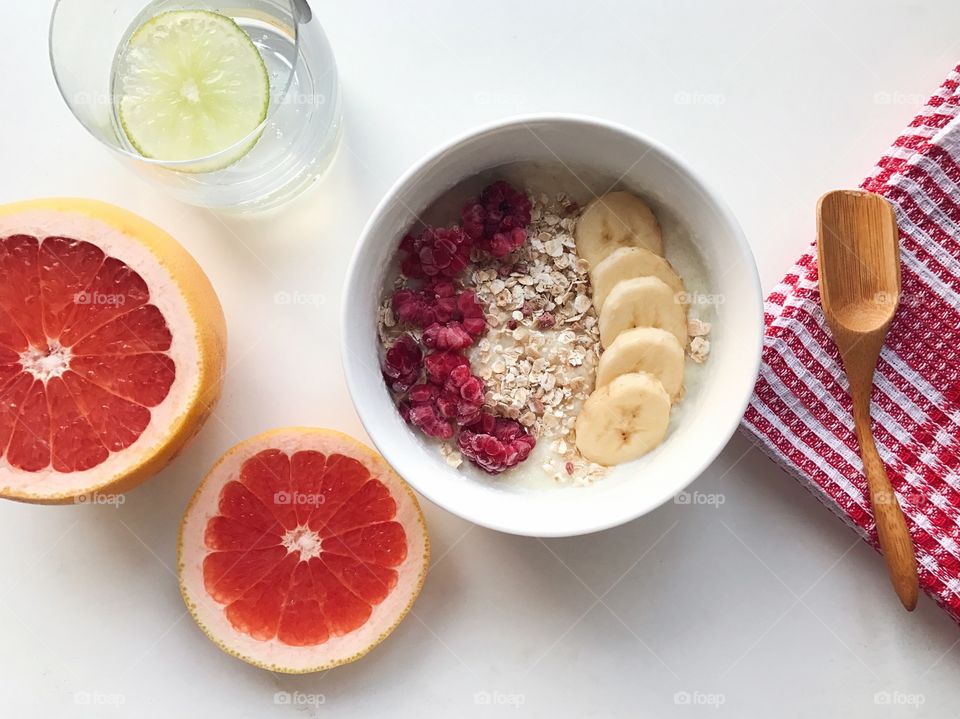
pixel 291 148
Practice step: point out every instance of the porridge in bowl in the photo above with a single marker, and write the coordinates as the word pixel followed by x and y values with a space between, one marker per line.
pixel 537 339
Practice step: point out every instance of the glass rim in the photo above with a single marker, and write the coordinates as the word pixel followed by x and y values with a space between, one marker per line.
pixel 253 135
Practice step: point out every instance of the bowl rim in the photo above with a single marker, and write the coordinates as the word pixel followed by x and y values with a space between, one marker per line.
pixel 723 434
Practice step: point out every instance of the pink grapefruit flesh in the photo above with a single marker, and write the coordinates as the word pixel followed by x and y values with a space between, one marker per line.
pixel 85 354
pixel 110 349
pixel 301 550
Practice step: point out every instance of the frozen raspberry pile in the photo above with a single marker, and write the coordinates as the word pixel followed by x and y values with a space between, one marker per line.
pixel 426 368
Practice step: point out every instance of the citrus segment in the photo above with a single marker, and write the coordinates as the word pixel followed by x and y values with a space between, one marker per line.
pixel 30 441
pixel 301 550
pixel 67 267
pixel 142 330
pixel 20 291
pixel 118 422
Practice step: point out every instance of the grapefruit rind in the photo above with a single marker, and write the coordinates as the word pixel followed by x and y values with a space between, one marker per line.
pixel 184 286
pixel 209 615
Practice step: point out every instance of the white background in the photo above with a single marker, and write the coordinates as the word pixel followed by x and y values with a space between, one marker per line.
pixel 768 602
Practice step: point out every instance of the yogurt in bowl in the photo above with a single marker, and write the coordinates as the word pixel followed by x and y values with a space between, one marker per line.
pixel 562 483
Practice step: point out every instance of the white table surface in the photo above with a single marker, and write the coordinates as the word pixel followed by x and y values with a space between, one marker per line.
pixel 765 606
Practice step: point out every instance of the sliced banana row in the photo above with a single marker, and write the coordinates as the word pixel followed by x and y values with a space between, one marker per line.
pixel 641 302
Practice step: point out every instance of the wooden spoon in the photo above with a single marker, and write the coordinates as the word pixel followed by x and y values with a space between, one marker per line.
pixel 859 250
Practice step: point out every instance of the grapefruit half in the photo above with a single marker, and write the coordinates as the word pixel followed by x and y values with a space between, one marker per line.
pixel 112 344
pixel 301 550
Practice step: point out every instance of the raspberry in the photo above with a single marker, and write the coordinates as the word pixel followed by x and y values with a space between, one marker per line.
pixel 451 336
pixel 423 393
pixel 424 416
pixel 496 444
pixel 402 364
pixel 497 221
pixel 473 216
pixel 437 302
pixel 436 252
pixel 467 386
pixel 439 365
pixel 503 243
pixel 412 308
pixel 472 390
pixel 436 408
pixel 462 396
pixel 546 321
pixel 474 321
pixel 444 297
pixel 501 428
pixel 475 326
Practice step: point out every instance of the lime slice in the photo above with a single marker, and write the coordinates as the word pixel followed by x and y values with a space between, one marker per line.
pixel 192 84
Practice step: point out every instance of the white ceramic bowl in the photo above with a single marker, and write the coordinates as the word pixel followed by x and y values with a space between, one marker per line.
pixel 605 154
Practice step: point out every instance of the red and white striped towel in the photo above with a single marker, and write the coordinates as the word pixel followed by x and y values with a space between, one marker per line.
pixel 800 412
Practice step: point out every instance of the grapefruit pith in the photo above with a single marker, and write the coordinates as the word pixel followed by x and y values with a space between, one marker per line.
pixel 301 550
pixel 112 344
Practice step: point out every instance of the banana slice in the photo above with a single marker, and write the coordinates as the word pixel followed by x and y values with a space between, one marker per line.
pixel 623 420
pixel 644 349
pixel 618 219
pixel 642 302
pixel 627 263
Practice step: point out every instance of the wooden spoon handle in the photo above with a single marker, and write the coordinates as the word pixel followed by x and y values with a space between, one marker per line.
pixel 892 529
